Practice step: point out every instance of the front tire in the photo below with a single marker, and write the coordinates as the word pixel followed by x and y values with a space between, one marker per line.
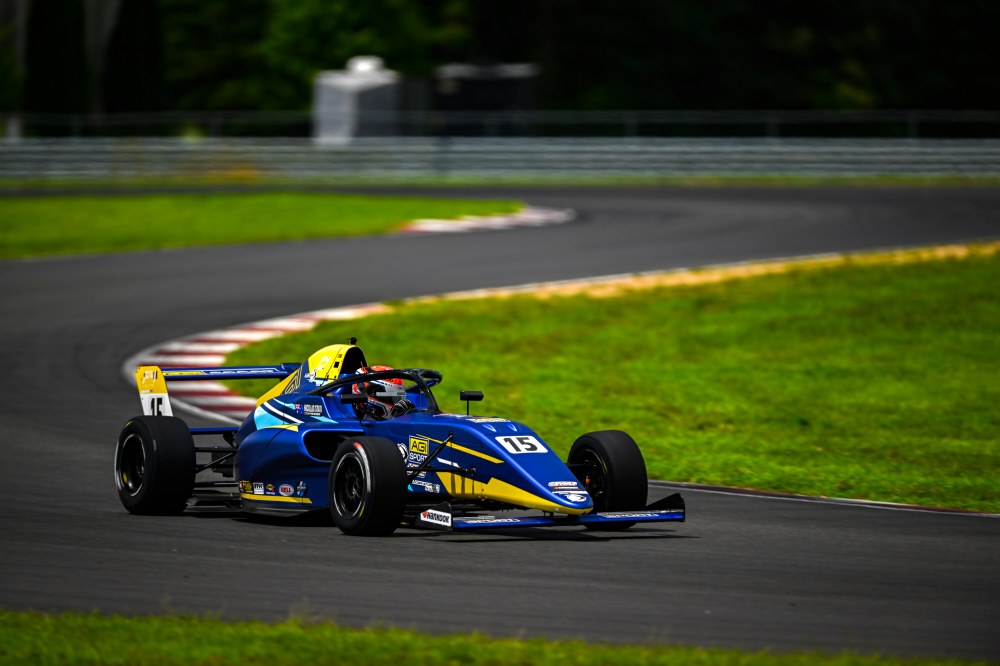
pixel 610 466
pixel 154 465
pixel 367 486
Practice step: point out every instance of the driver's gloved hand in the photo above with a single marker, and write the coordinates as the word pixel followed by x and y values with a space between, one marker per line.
pixel 400 408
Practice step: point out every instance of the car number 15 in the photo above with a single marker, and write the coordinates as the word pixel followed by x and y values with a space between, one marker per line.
pixel 522 444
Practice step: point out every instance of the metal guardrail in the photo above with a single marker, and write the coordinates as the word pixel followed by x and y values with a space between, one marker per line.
pixel 495 157
pixel 908 123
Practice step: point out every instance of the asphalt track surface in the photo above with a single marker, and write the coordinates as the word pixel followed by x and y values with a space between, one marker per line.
pixel 748 572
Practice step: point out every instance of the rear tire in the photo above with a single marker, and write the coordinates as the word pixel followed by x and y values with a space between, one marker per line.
pixel 367 486
pixel 612 470
pixel 154 465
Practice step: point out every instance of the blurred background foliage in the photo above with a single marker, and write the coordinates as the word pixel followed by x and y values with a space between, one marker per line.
pixel 593 54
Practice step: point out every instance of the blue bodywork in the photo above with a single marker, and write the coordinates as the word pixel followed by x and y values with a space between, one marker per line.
pixel 284 448
pixel 283 444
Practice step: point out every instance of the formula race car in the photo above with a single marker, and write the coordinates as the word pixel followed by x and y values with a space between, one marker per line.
pixel 370 446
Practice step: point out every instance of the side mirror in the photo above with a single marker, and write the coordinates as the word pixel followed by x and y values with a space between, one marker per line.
pixel 470 396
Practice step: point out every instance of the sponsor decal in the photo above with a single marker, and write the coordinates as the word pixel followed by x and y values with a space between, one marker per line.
pixel 322 366
pixel 563 484
pixel 246 487
pixel 485 521
pixel 258 489
pixel 402 449
pixel 270 487
pixel 300 489
pixel 521 444
pixel 490 420
pixel 226 371
pixel 436 517
pixel 311 378
pixel 428 486
pixel 574 497
pixel 286 490
pixel 626 514
pixel 309 408
pixel 418 445
pixel 416 458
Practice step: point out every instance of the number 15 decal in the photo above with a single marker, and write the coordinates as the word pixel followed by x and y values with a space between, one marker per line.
pixel 522 444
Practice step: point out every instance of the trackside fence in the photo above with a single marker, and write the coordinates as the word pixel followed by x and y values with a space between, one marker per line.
pixel 494 157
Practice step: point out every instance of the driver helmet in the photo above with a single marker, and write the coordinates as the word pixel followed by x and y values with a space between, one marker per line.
pixel 383 394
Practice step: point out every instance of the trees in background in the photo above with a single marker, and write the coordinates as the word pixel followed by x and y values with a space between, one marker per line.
pixel 594 54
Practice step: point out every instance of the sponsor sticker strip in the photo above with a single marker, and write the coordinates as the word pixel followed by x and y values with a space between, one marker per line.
pixel 433 517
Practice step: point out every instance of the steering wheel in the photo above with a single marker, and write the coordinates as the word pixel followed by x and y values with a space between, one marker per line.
pixel 430 377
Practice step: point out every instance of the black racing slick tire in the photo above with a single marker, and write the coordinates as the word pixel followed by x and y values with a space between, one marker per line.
pixel 155 465
pixel 367 486
pixel 610 466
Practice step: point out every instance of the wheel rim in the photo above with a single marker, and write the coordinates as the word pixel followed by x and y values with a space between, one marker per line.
pixel 349 484
pixel 594 476
pixel 132 465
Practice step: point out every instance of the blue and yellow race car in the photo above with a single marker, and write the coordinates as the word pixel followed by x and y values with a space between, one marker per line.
pixel 369 445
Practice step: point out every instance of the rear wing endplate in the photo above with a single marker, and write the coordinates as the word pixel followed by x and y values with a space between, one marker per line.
pixel 151 380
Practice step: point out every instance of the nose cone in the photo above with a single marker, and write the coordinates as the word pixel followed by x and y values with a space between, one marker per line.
pixel 577 500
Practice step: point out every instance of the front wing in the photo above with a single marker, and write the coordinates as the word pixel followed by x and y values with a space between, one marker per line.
pixel 441 517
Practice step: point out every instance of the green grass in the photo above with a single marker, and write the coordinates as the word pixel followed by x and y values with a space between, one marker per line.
pixel 863 379
pixel 87 224
pixel 16 185
pixel 33 638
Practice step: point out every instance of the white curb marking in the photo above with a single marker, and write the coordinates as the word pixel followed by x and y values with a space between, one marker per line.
pixel 529 217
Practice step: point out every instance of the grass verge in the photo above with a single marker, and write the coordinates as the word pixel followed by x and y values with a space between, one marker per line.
pixel 34 638
pixel 251 181
pixel 868 377
pixel 88 224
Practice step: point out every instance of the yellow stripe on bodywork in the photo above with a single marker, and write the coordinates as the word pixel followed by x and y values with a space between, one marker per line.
pixel 463 449
pixel 459 447
pixel 276 498
pixel 463 487
pixel 280 387
pixel 293 428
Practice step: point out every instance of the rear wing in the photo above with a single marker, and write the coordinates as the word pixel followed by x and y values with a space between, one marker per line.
pixel 151 380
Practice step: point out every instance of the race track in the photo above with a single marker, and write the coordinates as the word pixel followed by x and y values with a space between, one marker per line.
pixel 745 571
